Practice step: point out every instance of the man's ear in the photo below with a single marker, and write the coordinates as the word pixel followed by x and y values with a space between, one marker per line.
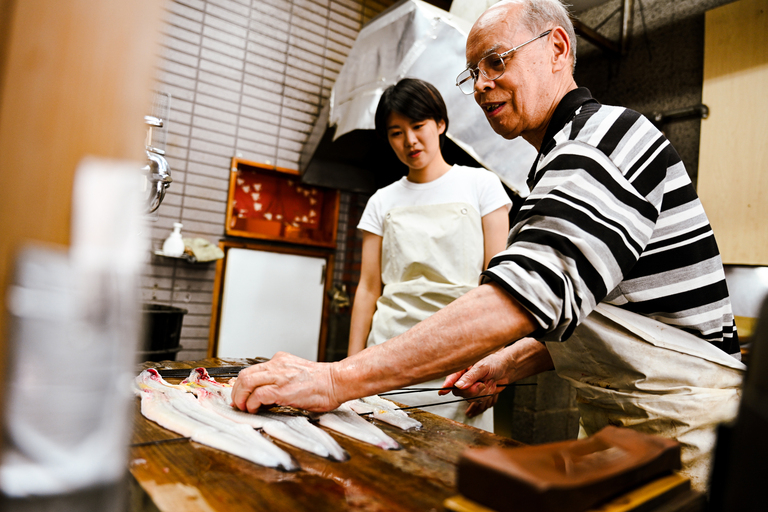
pixel 561 56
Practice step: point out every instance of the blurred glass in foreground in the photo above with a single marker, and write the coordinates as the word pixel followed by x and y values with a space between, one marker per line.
pixel 74 331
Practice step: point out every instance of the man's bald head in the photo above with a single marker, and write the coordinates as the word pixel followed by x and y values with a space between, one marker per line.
pixel 534 15
pixel 521 61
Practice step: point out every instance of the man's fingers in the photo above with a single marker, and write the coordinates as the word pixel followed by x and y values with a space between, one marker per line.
pixel 473 375
pixel 477 388
pixel 246 384
pixel 254 401
pixel 260 397
pixel 450 381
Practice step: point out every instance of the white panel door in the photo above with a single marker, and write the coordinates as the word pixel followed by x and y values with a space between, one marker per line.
pixel 271 302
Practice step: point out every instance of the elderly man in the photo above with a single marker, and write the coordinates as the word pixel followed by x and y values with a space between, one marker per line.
pixel 611 265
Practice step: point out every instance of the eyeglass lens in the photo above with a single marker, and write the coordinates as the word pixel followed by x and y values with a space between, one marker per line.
pixel 491 66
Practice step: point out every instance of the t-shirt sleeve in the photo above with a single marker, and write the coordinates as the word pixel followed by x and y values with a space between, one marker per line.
pixel 372 219
pixel 492 195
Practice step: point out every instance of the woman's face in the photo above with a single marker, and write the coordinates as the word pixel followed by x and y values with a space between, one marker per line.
pixel 416 143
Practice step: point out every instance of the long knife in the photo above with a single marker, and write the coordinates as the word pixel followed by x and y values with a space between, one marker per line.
pixel 216 371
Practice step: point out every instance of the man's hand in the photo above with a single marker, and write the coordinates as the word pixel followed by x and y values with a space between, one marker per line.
pixel 523 358
pixel 481 378
pixel 285 380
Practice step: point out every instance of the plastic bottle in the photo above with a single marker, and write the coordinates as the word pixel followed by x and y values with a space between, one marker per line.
pixel 174 245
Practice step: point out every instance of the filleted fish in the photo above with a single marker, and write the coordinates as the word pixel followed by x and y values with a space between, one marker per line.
pixel 384 410
pixel 294 430
pixel 345 421
pixel 200 379
pixel 179 411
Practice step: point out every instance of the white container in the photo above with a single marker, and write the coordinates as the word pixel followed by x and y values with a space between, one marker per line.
pixel 174 245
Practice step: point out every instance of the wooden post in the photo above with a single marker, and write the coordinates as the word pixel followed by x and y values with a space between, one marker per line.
pixel 75 80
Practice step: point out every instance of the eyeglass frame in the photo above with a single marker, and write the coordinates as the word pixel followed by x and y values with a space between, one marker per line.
pixel 474 72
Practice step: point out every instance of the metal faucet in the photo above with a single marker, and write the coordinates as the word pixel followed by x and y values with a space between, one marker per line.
pixel 158 172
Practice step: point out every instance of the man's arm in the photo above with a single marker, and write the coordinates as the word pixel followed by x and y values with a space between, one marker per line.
pixel 468 329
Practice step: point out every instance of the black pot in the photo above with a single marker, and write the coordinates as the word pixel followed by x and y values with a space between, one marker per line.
pixel 162 330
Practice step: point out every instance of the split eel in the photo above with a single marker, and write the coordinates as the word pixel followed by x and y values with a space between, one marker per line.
pixel 179 411
pixel 345 421
pixel 294 430
pixel 384 410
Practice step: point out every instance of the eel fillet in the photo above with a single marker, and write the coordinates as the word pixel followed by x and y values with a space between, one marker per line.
pixel 200 379
pixel 345 421
pixel 294 430
pixel 384 410
pixel 179 411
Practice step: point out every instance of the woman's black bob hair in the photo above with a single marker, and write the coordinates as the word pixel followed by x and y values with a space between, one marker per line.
pixel 413 98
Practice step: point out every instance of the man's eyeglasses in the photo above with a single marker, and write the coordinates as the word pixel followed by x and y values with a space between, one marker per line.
pixel 491 66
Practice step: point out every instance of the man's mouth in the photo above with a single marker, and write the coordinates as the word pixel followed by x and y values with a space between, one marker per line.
pixel 492 108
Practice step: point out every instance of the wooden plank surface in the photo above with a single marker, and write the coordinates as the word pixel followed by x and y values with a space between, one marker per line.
pixel 733 155
pixel 186 476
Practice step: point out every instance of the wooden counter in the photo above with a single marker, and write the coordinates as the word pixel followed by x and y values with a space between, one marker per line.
pixel 186 476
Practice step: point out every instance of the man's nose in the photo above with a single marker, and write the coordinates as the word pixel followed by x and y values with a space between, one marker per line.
pixel 482 83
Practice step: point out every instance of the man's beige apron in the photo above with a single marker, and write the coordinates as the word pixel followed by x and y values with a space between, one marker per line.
pixel 630 370
pixel 430 256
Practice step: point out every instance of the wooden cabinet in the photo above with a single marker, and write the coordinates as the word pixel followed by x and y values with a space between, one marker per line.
pixel 271 203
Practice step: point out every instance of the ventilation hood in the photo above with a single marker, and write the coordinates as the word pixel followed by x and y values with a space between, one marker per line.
pixel 410 39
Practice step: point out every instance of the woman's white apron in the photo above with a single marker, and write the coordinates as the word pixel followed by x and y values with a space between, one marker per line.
pixel 430 256
pixel 630 370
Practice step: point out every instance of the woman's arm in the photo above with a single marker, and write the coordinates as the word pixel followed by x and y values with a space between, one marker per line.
pixel 368 292
pixel 495 232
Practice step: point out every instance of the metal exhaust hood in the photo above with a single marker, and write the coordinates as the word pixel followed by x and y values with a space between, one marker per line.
pixel 410 39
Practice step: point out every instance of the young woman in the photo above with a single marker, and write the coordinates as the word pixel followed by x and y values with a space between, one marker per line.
pixel 426 237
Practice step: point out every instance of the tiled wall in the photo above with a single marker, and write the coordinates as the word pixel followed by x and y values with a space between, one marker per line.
pixel 246 78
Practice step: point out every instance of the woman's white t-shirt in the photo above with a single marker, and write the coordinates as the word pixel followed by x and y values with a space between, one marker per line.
pixel 480 188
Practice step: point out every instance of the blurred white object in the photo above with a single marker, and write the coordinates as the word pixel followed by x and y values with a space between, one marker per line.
pixel 174 244
pixel 74 332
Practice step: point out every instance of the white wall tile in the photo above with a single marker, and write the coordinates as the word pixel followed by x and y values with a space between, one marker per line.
pixel 226 14
pixel 191 9
pixel 219 69
pixel 184 22
pixel 221 59
pixel 183 35
pixel 218 103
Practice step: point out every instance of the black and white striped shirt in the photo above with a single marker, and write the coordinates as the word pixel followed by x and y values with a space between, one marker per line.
pixel 613 217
